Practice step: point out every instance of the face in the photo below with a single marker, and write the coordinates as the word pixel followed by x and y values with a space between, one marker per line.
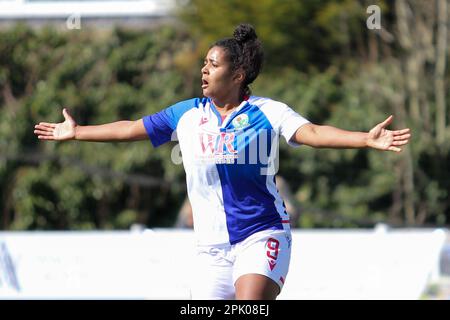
pixel 218 81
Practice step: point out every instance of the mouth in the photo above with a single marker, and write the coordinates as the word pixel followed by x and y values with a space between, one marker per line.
pixel 204 84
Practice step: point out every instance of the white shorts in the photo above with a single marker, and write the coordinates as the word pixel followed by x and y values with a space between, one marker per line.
pixel 266 252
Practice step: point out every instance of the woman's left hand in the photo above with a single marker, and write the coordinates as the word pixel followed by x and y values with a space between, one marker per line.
pixel 387 140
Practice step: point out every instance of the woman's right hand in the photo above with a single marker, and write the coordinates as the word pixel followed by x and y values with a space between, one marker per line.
pixel 57 131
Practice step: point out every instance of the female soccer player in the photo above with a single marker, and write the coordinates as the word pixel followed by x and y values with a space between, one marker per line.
pixel 226 139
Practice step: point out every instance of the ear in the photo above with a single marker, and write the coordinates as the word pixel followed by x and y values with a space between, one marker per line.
pixel 239 76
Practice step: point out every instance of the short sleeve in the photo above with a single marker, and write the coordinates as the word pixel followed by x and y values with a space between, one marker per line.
pixel 289 123
pixel 161 125
pixel 283 119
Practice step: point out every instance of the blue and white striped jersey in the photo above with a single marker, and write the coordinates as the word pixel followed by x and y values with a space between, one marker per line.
pixel 230 165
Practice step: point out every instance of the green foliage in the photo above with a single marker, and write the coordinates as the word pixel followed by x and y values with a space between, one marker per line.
pixel 280 25
pixel 100 77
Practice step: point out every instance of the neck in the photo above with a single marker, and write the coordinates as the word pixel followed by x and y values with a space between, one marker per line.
pixel 226 105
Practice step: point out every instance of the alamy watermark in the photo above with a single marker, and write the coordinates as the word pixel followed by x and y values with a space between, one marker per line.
pixel 74 21
pixel 230 147
pixel 373 22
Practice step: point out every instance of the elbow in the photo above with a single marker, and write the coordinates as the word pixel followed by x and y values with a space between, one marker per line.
pixel 307 135
pixel 128 134
pixel 124 132
pixel 136 131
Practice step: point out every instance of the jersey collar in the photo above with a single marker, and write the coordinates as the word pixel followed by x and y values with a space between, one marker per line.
pixel 231 115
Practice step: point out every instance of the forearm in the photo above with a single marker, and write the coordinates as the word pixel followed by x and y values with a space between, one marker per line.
pixel 331 137
pixel 115 131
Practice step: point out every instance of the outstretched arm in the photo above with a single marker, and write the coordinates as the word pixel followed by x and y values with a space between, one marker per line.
pixel 331 137
pixel 70 130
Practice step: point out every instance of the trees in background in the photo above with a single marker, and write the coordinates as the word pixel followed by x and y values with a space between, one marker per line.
pixel 337 71
pixel 100 77
pixel 321 60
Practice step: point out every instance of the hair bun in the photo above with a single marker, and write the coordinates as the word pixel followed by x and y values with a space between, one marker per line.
pixel 244 33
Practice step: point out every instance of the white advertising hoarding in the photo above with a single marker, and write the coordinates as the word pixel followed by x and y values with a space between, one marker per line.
pixel 158 264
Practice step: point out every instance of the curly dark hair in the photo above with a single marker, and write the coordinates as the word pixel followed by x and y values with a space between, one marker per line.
pixel 244 51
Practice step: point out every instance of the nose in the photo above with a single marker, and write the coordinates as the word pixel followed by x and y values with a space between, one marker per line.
pixel 205 69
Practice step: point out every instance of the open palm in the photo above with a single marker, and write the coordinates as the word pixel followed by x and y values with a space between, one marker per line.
pixel 57 131
pixel 388 140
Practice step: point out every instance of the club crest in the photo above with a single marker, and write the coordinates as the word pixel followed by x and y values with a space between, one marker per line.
pixel 241 121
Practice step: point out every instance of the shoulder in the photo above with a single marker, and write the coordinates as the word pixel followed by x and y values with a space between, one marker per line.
pixel 270 107
pixel 188 104
pixel 170 116
pixel 177 110
pixel 265 102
